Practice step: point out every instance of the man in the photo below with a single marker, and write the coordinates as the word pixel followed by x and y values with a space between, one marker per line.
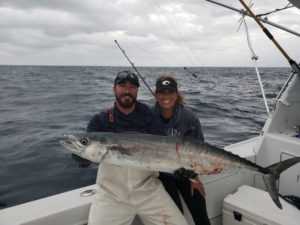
pixel 125 192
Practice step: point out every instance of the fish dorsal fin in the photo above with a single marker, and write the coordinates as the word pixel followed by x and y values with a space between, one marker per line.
pixel 188 132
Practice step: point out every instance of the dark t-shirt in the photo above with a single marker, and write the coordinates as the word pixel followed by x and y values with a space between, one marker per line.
pixel 137 121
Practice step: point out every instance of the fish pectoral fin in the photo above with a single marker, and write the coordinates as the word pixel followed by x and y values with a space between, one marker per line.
pixel 103 155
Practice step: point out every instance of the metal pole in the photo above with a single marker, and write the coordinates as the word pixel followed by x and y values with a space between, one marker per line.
pixel 259 18
pixel 293 64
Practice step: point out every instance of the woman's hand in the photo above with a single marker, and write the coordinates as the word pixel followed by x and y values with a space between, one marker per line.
pixel 197 186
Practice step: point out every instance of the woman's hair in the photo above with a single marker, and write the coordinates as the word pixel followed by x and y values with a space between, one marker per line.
pixel 180 98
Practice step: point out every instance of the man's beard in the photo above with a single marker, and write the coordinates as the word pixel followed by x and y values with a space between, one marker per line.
pixel 127 103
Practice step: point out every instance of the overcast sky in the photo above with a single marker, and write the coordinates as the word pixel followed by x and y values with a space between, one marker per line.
pixel 152 32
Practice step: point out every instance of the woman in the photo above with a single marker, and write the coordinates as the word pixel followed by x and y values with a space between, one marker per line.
pixel 172 118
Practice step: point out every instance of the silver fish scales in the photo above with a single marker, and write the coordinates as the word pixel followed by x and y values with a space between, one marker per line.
pixel 167 154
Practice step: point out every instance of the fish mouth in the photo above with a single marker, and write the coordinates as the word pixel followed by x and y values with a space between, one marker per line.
pixel 71 144
pixel 66 143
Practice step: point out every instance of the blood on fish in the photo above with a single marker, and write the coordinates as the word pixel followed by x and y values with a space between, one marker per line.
pixel 194 165
pixel 213 171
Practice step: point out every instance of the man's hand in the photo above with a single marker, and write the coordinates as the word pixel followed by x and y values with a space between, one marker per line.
pixel 197 186
pixel 83 163
pixel 184 174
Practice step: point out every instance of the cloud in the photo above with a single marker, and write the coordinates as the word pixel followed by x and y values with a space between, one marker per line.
pixel 153 33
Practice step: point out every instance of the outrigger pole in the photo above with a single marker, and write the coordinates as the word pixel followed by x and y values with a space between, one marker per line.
pixel 132 64
pixel 259 18
pixel 293 64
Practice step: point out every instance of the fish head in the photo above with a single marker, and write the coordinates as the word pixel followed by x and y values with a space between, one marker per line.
pixel 85 146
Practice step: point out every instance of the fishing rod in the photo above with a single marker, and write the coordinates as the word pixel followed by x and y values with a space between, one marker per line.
pixel 259 18
pixel 293 64
pixel 186 69
pixel 132 64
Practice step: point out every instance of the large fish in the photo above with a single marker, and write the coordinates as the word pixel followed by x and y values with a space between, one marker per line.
pixel 167 154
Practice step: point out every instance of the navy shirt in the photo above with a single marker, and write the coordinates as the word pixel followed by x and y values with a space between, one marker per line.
pixel 137 121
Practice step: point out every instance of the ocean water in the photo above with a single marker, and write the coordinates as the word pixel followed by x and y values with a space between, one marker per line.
pixel 39 103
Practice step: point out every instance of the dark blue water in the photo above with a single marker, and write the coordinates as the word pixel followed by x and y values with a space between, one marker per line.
pixel 39 103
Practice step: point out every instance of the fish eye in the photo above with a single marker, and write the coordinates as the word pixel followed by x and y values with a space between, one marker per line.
pixel 84 141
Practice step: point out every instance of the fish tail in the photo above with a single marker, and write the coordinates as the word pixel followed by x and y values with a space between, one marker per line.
pixel 271 175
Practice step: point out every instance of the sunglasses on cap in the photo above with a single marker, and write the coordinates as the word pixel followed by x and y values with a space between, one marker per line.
pixel 127 75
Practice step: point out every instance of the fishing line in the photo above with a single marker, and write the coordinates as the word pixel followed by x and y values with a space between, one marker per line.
pixel 175 28
pixel 178 46
pixel 184 41
pixel 289 5
pixel 254 58
pixel 180 35
pixel 243 16
pixel 158 55
pixel 165 29
pixel 293 64
pixel 226 100
pixel 186 69
pixel 227 103
pixel 132 64
pixel 259 18
pixel 245 13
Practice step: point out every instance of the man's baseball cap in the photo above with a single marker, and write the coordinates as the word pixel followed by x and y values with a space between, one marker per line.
pixel 127 75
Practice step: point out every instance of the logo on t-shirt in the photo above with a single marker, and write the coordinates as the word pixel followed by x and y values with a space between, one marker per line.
pixel 173 132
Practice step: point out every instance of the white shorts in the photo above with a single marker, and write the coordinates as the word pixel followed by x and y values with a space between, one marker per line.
pixel 153 206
